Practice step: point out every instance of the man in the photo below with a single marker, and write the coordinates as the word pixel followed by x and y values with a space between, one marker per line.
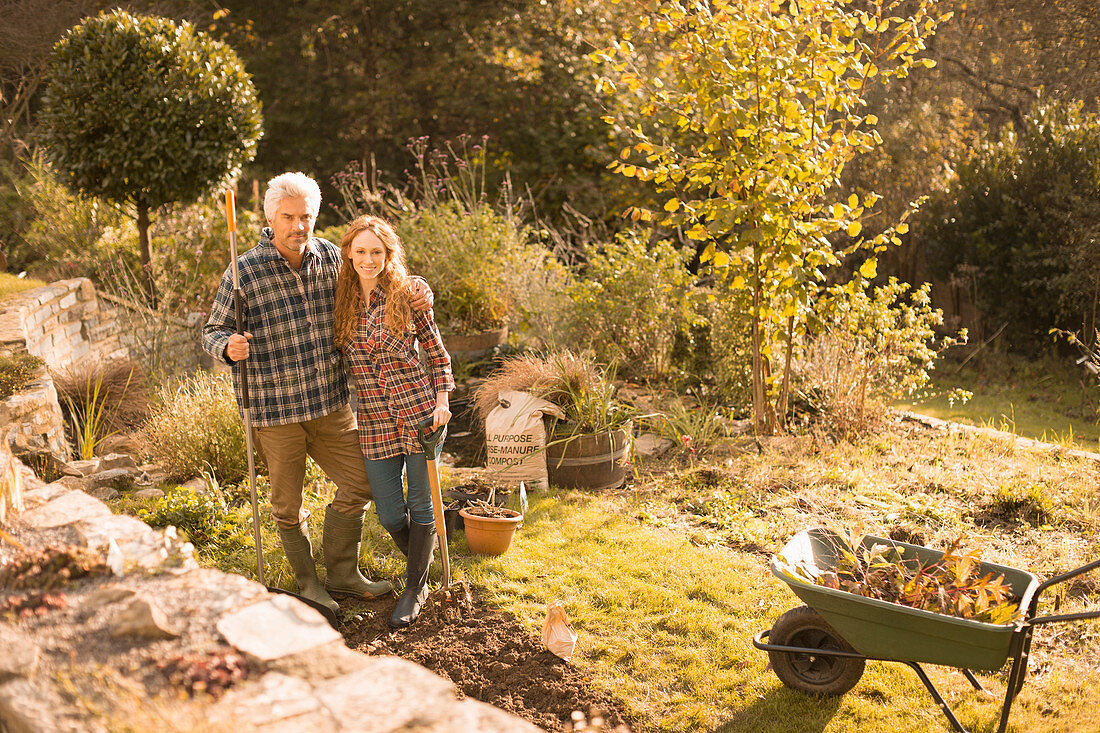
pixel 298 387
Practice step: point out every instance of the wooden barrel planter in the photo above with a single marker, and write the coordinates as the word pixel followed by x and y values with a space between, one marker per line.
pixel 588 461
pixel 473 346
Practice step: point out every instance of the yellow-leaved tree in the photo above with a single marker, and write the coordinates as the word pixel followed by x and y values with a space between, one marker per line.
pixel 745 114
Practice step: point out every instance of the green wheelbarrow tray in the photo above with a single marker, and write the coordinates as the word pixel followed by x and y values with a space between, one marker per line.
pixel 887 631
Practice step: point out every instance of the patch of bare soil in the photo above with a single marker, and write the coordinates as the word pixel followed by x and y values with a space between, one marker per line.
pixel 489 656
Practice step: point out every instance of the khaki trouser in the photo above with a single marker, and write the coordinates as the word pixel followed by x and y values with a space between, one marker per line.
pixel 333 442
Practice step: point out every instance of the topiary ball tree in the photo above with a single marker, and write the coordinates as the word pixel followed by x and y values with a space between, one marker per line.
pixel 143 111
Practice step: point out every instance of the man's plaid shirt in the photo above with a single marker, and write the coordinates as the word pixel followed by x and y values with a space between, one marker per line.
pixel 295 371
pixel 394 392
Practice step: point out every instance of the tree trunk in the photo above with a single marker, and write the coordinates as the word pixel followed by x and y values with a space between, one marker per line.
pixel 785 391
pixel 146 254
pixel 759 381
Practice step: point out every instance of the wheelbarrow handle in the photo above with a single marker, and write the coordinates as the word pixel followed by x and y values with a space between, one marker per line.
pixel 1038 620
pixel 431 440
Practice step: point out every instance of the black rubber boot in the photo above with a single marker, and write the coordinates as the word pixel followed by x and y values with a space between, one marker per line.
pixel 342 538
pixel 421 548
pixel 401 537
pixel 299 553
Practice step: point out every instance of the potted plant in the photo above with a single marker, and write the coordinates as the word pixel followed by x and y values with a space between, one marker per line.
pixel 489 528
pixel 590 447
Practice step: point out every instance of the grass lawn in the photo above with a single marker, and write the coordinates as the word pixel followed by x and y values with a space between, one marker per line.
pixel 666 581
pixel 667 584
pixel 1052 400
pixel 10 284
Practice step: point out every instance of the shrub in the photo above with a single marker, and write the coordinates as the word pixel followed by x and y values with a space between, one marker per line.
pixel 205 520
pixel 143 112
pixel 197 427
pixel 874 346
pixel 57 232
pixel 17 370
pixel 1019 221
pixel 123 387
pixel 475 254
pixel 462 254
pixel 632 302
pixel 694 425
pixel 730 344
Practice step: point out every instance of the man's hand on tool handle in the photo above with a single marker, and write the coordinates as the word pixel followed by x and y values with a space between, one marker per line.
pixel 237 348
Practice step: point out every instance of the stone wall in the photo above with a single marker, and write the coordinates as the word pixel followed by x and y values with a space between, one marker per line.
pixel 91 655
pixel 68 325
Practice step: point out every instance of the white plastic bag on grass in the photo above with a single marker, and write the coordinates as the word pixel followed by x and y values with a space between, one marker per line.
pixel 557 632
pixel 515 439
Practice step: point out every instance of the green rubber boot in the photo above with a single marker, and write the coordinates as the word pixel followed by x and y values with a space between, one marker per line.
pixel 299 553
pixel 342 538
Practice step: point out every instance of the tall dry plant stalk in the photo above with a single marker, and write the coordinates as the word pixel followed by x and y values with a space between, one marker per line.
pixel 574 382
pixel 102 399
pixel 11 482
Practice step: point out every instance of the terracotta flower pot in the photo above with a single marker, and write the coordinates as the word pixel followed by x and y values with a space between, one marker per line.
pixel 489 535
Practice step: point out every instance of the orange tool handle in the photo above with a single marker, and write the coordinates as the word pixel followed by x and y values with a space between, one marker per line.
pixel 230 210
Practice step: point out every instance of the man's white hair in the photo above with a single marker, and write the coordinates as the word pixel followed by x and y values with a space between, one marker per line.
pixel 291 186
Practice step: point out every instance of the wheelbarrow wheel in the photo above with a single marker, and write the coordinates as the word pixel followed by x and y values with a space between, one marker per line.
pixel 812 673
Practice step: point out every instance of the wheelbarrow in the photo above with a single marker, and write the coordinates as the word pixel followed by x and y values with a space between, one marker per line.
pixel 821 648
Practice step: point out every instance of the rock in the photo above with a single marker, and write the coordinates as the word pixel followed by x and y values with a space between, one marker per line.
pixel 412 699
pixel 149 494
pixel 650 444
pixel 740 427
pixel 116 478
pixel 83 468
pixel 43 494
pixel 20 657
pixel 199 486
pixel 277 627
pixel 77 483
pixel 103 493
pixel 121 528
pixel 69 508
pixel 127 445
pixel 117 460
pixel 31 707
pixel 107 595
pixel 152 473
pixel 322 663
pixel 144 620
pixel 276 700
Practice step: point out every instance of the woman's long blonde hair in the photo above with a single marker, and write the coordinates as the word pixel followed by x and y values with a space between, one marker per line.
pixel 394 281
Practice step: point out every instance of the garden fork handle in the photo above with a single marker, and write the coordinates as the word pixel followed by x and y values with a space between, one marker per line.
pixel 242 366
pixel 432 442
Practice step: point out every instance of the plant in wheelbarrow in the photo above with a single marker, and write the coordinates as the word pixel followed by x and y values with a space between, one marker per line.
pixel 590 447
pixel 884 600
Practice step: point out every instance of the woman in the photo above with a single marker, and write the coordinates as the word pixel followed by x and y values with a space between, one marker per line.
pixel 378 331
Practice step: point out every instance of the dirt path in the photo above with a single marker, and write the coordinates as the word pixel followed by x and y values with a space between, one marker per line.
pixel 489 656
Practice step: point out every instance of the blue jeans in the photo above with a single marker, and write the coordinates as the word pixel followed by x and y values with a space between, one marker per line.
pixel 389 494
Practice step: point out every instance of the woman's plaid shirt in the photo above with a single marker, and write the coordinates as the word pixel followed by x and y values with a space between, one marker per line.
pixel 295 371
pixel 394 393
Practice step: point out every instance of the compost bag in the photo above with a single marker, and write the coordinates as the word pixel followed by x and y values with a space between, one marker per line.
pixel 515 438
